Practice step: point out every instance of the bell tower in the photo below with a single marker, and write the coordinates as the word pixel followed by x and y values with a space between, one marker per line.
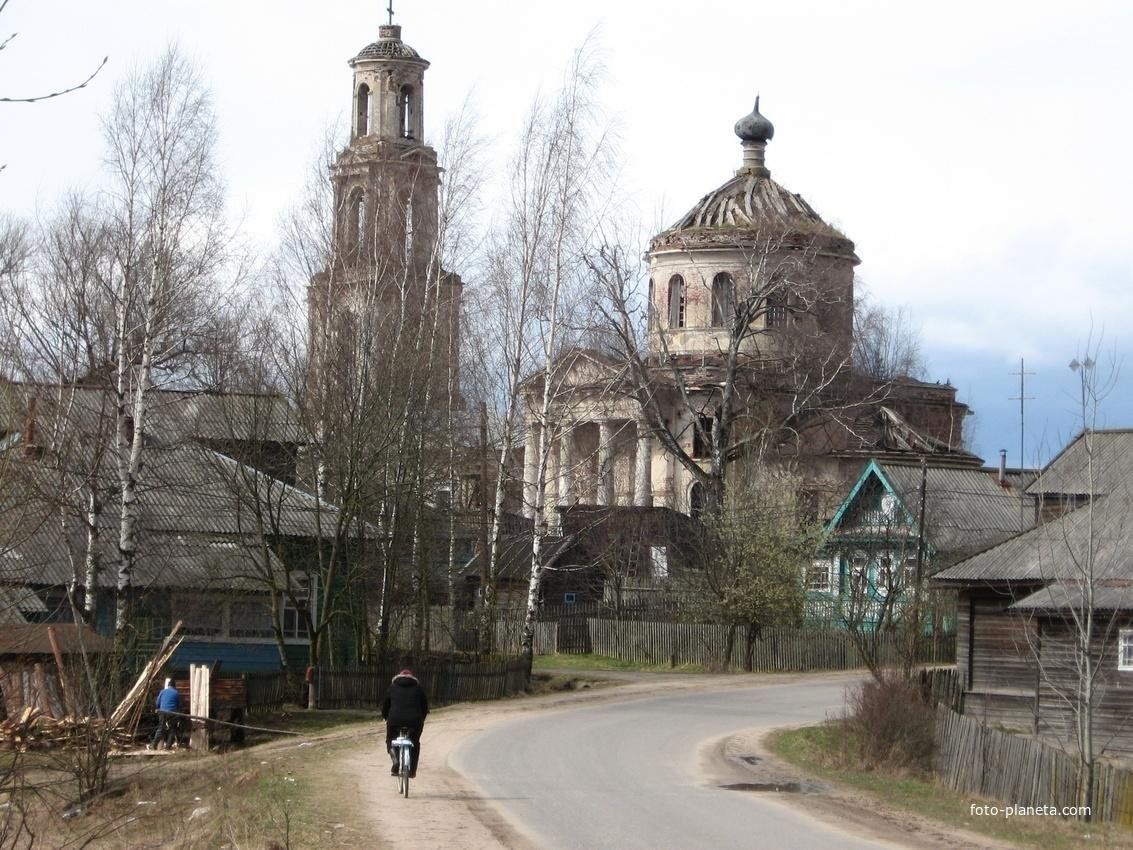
pixel 386 179
pixel 384 260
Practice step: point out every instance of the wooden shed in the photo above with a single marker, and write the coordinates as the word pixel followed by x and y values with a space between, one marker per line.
pixel 40 667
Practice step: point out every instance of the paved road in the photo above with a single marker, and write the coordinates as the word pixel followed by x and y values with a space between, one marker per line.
pixel 630 775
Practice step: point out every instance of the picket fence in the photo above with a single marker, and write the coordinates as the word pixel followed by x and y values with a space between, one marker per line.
pixel 1022 770
pixel 444 680
pixel 776 650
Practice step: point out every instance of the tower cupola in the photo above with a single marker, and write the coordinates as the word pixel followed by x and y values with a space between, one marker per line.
pixel 755 131
pixel 389 88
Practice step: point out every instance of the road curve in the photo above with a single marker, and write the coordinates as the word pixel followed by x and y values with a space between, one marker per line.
pixel 634 774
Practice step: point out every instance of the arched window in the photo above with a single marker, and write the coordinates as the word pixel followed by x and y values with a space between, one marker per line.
pixel 649 306
pixel 405 112
pixel 355 221
pixel 363 106
pixel 676 301
pixel 696 499
pixel 776 315
pixel 723 299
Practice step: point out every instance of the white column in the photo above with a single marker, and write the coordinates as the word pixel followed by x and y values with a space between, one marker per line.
pixel 642 485
pixel 530 469
pixel 605 494
pixel 566 466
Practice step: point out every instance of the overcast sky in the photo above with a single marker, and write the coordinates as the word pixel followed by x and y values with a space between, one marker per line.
pixel 976 153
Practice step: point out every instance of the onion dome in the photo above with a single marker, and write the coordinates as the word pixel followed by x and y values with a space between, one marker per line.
pixel 754 127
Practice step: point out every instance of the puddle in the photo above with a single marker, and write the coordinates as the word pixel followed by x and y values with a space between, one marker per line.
pixel 774 787
pixel 750 759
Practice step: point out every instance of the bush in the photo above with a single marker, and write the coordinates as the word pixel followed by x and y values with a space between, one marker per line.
pixel 891 724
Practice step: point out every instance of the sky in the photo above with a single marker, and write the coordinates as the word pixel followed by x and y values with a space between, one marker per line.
pixel 975 152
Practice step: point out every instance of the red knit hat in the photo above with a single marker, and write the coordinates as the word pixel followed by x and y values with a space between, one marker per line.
pixel 406 672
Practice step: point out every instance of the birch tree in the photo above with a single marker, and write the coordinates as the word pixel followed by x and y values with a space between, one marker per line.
pixel 167 243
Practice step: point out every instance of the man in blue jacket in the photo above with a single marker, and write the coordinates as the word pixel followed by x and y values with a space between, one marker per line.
pixel 405 707
pixel 168 703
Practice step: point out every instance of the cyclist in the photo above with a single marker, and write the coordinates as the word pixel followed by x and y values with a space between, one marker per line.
pixel 405 707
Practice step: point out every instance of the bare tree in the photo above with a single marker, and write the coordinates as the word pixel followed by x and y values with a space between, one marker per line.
pixel 887 342
pixel 1073 624
pixel 167 243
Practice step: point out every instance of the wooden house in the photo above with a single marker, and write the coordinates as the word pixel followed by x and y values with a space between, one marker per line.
pixel 1042 610
pixel 225 535
pixel 873 546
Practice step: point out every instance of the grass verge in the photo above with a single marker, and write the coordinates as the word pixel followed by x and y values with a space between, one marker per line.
pixel 816 750
pixel 280 795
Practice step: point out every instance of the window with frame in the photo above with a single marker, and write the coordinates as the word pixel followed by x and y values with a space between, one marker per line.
pixel 776 309
pixel 293 621
pixel 819 576
pixel 676 301
pixel 659 561
pixel 723 299
pixel 858 571
pixel 702 437
pixel 1125 649
pixel 910 572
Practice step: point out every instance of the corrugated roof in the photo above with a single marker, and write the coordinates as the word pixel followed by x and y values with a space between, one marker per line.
pixel 1094 462
pixel 174 415
pixel 1105 596
pixel 1056 549
pixel 965 509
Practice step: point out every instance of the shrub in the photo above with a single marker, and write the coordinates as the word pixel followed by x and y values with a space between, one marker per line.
pixel 891 724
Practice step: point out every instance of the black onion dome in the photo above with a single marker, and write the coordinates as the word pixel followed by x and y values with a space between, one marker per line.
pixel 388 46
pixel 754 127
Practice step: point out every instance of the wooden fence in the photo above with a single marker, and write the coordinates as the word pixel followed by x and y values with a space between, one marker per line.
pixel 1022 770
pixel 266 691
pixel 941 686
pixel 776 650
pixel 444 680
pixel 461 634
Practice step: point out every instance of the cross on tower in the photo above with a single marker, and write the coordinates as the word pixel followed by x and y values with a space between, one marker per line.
pixel 390 10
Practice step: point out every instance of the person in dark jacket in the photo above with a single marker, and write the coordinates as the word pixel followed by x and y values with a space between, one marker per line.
pixel 405 707
pixel 168 700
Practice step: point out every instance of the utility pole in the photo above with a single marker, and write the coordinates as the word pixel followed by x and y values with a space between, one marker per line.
pixel 1023 398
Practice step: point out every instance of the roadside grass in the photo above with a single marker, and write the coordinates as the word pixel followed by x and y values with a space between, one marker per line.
pixel 817 749
pixel 306 721
pixel 274 796
pixel 591 661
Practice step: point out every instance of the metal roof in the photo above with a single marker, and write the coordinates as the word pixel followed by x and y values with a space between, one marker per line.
pixel 1058 548
pixel 965 508
pixel 1060 596
pixel 1095 462
pixel 746 201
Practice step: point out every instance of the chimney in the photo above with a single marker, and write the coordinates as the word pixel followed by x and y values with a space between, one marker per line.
pixel 1003 467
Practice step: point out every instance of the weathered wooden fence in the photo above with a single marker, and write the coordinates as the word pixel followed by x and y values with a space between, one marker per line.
pixel 266 691
pixel 776 650
pixel 444 680
pixel 461 634
pixel 941 686
pixel 1022 770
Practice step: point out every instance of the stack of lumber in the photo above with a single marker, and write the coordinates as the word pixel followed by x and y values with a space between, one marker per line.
pixel 33 730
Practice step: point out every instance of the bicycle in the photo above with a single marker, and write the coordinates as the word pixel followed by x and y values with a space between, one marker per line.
pixel 404 746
